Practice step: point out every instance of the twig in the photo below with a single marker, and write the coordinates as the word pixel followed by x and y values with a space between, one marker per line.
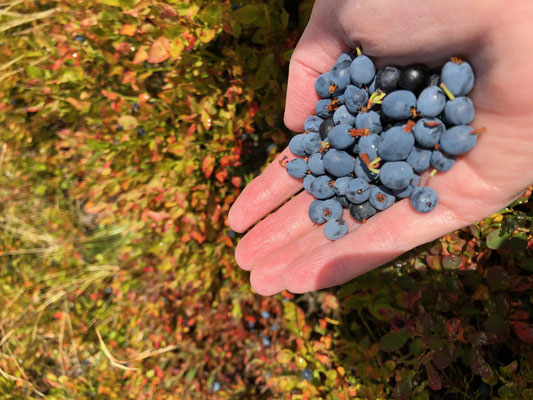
pixel 27 18
pixel 114 362
pixel 147 354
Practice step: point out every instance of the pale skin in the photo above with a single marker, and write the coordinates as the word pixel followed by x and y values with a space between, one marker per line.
pixel 285 250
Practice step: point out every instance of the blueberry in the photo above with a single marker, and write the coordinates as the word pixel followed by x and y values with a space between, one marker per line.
pixel 135 107
pixel 428 131
pixel 413 77
pixel 419 159
pixel 369 120
pixel 266 342
pixel 441 161
pixel 323 108
pixel 316 164
pixel 297 168
pixel 312 123
pixel 338 163
pixel 368 145
pixel 119 127
pixel 344 57
pixel 381 197
pixel 424 199
pixel 387 78
pixel 341 184
pixel 396 175
pixel 309 178
pixel 362 171
pixel 431 102
pixel 315 212
pixel 79 38
pixel 216 386
pixel 296 145
pixel 355 98
pixel 340 137
pixel 362 212
pixel 340 74
pixel 141 132
pixel 458 78
pixel 311 143
pixel 307 374
pixel 458 140
pixel 322 85
pixel 358 191
pixel 331 209
pixel 459 111
pixel 343 201
pixel 396 144
pixel 404 193
pixel 343 116
pixel 335 228
pixel 362 71
pixel 321 187
pixel 398 104
pixel 372 87
pixel 326 125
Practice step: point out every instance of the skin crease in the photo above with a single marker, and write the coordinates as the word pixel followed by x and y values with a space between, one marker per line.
pixel 285 250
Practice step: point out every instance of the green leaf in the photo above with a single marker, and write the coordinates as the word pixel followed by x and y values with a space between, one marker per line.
pixel 33 71
pixel 496 239
pixel 250 14
pixel 393 341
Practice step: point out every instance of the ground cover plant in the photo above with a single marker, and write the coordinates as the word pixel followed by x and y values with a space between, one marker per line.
pixel 127 129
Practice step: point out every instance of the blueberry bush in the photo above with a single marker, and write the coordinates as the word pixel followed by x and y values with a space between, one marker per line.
pixel 127 129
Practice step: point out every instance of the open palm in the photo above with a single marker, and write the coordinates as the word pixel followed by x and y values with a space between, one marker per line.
pixel 286 250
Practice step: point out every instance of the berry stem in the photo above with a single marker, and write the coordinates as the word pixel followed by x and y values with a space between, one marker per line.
pixel 447 91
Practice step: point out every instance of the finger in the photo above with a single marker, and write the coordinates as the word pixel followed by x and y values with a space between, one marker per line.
pixel 264 194
pixel 285 225
pixel 267 277
pixel 316 52
pixel 463 199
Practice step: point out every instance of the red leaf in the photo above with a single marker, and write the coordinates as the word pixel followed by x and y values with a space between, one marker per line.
pixel 434 380
pixel 236 181
pixel 160 50
pixel 524 331
pixel 519 315
pixel 157 216
pixel 208 165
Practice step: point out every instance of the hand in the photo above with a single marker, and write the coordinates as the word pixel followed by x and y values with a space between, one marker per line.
pixel 286 250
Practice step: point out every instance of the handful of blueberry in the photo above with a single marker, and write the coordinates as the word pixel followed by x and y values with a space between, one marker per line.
pixel 375 132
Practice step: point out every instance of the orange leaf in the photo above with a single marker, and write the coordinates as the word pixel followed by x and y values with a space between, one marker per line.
pixel 141 55
pixel 160 50
pixel 109 95
pixel 222 175
pixel 208 165
pixel 128 30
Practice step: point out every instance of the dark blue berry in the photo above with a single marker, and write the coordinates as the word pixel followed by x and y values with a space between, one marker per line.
pixel 424 199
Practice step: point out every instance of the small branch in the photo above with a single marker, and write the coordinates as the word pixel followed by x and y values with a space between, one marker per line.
pixel 114 362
